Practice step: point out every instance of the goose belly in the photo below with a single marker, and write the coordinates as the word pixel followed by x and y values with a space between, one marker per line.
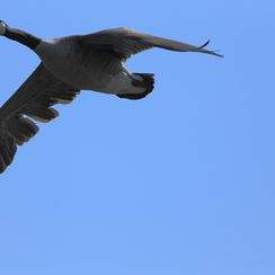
pixel 86 70
pixel 81 77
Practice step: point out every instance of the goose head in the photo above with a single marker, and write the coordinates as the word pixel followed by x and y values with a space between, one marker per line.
pixel 19 36
pixel 3 27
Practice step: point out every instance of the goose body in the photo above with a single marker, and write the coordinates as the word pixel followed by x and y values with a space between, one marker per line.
pixel 85 69
pixel 71 64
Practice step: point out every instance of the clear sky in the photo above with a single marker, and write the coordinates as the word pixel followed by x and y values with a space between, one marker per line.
pixel 181 183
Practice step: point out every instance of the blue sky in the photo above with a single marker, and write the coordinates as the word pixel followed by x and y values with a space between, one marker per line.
pixel 179 183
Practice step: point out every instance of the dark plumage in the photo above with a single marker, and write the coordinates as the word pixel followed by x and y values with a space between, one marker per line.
pixel 68 65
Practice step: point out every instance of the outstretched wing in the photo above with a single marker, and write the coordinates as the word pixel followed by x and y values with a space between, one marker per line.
pixel 125 42
pixel 32 102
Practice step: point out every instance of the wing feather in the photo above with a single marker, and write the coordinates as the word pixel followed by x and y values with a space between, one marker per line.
pixel 32 102
pixel 125 42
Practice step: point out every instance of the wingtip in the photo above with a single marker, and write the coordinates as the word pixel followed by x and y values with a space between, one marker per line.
pixel 203 49
pixel 205 44
pixel 217 54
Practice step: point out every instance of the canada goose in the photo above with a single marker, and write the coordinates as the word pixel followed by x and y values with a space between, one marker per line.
pixel 68 65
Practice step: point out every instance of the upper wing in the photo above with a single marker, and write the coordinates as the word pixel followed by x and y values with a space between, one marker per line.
pixel 124 42
pixel 32 100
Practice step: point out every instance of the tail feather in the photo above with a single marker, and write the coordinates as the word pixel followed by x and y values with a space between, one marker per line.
pixel 142 80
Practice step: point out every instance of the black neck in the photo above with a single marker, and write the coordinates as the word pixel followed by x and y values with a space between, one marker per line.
pixel 23 37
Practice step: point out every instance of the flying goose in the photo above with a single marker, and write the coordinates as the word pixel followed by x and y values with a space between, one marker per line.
pixel 71 64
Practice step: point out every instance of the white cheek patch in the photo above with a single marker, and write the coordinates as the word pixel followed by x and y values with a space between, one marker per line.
pixel 2 29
